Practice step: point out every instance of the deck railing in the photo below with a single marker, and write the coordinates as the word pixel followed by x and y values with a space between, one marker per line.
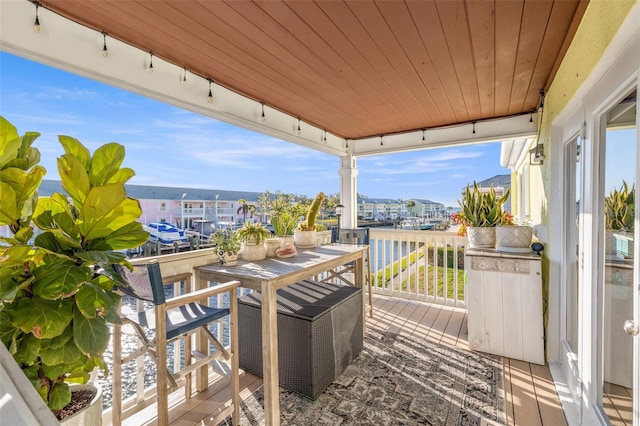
pixel 418 265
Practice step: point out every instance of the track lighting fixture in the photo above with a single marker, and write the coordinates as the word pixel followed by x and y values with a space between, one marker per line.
pixel 184 77
pixel 210 96
pixel 105 51
pixel 36 24
pixel 298 131
pixel 263 118
pixel 150 69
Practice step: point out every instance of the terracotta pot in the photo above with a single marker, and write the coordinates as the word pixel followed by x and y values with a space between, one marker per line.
pixel 481 237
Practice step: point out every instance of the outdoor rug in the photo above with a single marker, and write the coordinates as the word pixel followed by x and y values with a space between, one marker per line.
pixel 398 381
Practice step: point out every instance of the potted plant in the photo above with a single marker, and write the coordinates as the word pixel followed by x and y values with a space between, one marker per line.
pixel 56 289
pixel 482 212
pixel 254 235
pixel 284 213
pixel 511 237
pixel 227 244
pixel 619 210
pixel 305 234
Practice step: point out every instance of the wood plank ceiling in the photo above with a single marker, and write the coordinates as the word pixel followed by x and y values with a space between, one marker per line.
pixel 355 68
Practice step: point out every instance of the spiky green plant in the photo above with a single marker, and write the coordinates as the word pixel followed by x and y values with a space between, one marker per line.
pixel 619 208
pixel 55 290
pixel 253 233
pixel 310 223
pixel 483 208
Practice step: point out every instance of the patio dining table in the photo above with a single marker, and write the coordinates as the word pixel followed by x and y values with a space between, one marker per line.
pixel 269 275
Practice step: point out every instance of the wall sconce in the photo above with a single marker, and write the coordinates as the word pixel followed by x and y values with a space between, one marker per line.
pixel 536 155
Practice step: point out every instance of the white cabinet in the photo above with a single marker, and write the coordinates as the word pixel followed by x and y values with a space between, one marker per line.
pixel 504 304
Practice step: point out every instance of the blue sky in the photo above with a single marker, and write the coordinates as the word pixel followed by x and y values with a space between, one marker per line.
pixel 167 146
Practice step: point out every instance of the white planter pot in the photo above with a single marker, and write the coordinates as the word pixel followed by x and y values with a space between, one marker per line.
pixel 253 252
pixel 287 247
pixel 513 237
pixel 305 239
pixel 481 237
pixel 89 415
pixel 225 258
pixel 271 245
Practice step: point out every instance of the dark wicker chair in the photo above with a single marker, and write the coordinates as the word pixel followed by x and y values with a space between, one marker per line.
pixel 355 236
pixel 183 316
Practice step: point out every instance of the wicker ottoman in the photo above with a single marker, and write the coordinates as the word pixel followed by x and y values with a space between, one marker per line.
pixel 319 334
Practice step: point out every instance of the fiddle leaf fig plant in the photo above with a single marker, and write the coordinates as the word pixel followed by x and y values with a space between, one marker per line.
pixel 56 296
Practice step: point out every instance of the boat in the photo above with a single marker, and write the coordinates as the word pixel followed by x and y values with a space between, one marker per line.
pixel 165 233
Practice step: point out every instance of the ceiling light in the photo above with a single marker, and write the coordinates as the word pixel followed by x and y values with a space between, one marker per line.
pixel 263 118
pixel 150 69
pixel 474 128
pixel 298 131
pixel 184 77
pixel 210 97
pixel 324 140
pixel 105 51
pixel 424 139
pixel 36 24
pixel 531 123
pixel 381 144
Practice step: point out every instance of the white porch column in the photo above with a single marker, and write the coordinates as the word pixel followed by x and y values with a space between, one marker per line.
pixel 348 192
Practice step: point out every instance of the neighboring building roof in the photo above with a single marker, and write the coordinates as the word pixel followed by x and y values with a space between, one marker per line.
pixel 144 192
pixel 380 201
pixel 503 181
pixel 422 201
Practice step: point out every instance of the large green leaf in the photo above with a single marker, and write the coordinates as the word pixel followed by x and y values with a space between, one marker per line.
pixel 129 236
pixel 60 350
pixel 122 176
pixel 55 212
pixel 107 209
pixel 8 331
pixel 28 349
pixel 94 301
pixel 101 257
pixel 59 279
pixel 105 163
pixel 10 142
pixel 46 319
pixel 90 334
pixel 72 146
pixel 59 396
pixel 74 177
pixel 9 213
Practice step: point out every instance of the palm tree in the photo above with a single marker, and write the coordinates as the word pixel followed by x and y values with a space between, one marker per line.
pixel 410 205
pixel 245 208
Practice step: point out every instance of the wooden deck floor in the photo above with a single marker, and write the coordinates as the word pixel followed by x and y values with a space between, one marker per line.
pixel 530 396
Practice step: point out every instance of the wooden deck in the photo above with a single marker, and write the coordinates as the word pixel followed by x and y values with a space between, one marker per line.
pixel 530 396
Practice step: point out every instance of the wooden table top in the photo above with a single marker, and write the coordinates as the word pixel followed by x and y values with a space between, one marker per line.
pixel 283 272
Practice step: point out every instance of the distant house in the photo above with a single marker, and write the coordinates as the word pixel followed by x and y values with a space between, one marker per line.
pixel 381 208
pixel 427 208
pixel 183 207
